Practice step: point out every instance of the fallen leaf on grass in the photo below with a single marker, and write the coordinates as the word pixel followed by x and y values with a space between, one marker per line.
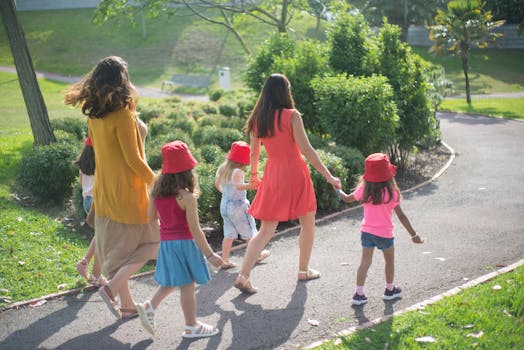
pixel 496 287
pixel 507 313
pixel 468 326
pixel 5 299
pixel 476 334
pixel 19 219
pixel 21 262
pixel 37 303
pixel 4 291
pixel 313 322
pixel 62 286
pixel 367 339
pixel 426 339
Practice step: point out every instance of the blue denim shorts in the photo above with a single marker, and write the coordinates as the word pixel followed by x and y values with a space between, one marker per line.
pixel 372 241
pixel 237 221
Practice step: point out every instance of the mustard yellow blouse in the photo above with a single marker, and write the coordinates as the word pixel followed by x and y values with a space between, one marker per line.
pixel 121 174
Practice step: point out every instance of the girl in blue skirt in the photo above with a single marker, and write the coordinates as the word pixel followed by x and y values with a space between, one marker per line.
pixel 183 246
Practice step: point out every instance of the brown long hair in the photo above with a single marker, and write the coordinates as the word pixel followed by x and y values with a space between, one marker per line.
pixel 167 185
pixel 86 161
pixel 105 89
pixel 275 95
pixel 374 191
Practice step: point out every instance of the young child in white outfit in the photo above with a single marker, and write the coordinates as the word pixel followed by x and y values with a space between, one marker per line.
pixel 234 204
pixel 380 196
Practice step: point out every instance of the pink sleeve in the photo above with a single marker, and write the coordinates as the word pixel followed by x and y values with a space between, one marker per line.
pixel 358 193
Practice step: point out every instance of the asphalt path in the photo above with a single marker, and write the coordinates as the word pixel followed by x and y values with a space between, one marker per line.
pixel 472 217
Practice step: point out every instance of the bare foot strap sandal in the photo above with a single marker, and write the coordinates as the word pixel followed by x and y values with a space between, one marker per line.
pixel 107 297
pixel 228 265
pixel 308 275
pixel 128 313
pixel 242 283
pixel 201 330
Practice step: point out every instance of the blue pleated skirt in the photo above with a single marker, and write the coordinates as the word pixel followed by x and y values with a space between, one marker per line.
pixel 180 262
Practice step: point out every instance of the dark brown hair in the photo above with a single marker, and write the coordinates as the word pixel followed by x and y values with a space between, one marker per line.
pixel 105 89
pixel 374 191
pixel 275 95
pixel 86 161
pixel 167 185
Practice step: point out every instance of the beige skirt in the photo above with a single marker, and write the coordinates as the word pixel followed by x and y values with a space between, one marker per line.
pixel 120 244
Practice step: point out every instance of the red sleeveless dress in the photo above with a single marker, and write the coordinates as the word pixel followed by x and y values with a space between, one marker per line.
pixel 286 191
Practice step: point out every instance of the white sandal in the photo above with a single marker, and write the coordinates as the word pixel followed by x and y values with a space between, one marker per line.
pixel 147 316
pixel 310 275
pixel 201 330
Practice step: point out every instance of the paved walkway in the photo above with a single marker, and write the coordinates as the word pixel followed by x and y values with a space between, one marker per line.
pixel 471 216
pixel 142 91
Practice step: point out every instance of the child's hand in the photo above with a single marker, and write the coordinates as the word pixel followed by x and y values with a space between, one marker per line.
pixel 215 260
pixel 417 239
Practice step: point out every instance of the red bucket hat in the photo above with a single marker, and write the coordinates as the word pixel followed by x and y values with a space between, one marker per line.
pixel 88 142
pixel 239 152
pixel 378 168
pixel 176 158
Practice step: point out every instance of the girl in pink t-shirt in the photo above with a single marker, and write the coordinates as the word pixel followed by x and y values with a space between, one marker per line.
pixel 379 195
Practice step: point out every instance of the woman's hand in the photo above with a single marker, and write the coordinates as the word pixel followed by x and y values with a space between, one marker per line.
pixel 254 182
pixel 334 181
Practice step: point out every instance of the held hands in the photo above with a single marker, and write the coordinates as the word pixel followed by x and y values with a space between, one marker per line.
pixel 334 181
pixel 254 182
pixel 215 260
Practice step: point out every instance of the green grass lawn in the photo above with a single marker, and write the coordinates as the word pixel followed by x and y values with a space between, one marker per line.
pixel 492 70
pixel 511 108
pixel 488 316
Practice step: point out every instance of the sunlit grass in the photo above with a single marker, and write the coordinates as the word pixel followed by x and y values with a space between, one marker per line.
pixel 512 108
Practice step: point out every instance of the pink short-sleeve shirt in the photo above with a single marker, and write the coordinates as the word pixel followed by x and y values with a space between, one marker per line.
pixel 378 219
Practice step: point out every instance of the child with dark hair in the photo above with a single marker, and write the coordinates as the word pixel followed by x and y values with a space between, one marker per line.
pixel 380 196
pixel 86 168
pixel 183 246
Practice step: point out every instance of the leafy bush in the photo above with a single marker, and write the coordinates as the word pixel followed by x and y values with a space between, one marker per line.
pixel 215 95
pixel 228 110
pixel 160 126
pixel 352 159
pixel 357 112
pixel 326 196
pixel 349 44
pixel 232 122
pixel 74 126
pixel 261 65
pixel 209 108
pixel 245 107
pixel 213 135
pixel 78 201
pixel 146 113
pixel 209 201
pixel 47 172
pixel 212 154
pixel 187 125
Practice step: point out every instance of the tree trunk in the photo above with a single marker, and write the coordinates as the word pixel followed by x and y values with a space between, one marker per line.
pixel 465 68
pixel 35 105
pixel 282 26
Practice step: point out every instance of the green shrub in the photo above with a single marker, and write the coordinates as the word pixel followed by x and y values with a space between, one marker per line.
pixel 187 125
pixel 326 196
pixel 160 126
pixel 78 201
pixel 261 65
pixel 212 154
pixel 232 123
pixel 47 172
pixel 228 110
pixel 215 95
pixel 147 113
pixel 213 135
pixel 68 138
pixel 76 126
pixel 209 108
pixel 357 112
pixel 352 159
pixel 209 201
pixel 245 107
pixel 349 44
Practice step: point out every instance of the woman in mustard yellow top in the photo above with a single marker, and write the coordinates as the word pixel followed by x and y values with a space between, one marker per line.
pixel 125 237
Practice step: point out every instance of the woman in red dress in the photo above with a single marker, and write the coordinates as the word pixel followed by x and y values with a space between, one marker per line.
pixel 286 191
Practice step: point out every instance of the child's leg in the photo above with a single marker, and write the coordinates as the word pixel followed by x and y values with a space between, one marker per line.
pixel 91 250
pixel 389 258
pixel 365 263
pixel 227 243
pixel 188 303
pixel 160 294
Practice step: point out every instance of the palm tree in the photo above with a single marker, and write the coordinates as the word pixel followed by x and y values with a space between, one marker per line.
pixel 465 24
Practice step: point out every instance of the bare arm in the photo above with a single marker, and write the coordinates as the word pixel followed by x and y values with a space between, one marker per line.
pixel 347 198
pixel 189 204
pixel 302 141
pixel 254 180
pixel 238 181
pixel 407 225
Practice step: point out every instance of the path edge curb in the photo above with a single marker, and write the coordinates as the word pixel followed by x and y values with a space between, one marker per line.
pixel 420 305
pixel 323 220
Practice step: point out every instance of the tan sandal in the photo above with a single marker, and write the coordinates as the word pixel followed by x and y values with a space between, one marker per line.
pixel 308 275
pixel 107 297
pixel 128 312
pixel 246 286
pixel 228 265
